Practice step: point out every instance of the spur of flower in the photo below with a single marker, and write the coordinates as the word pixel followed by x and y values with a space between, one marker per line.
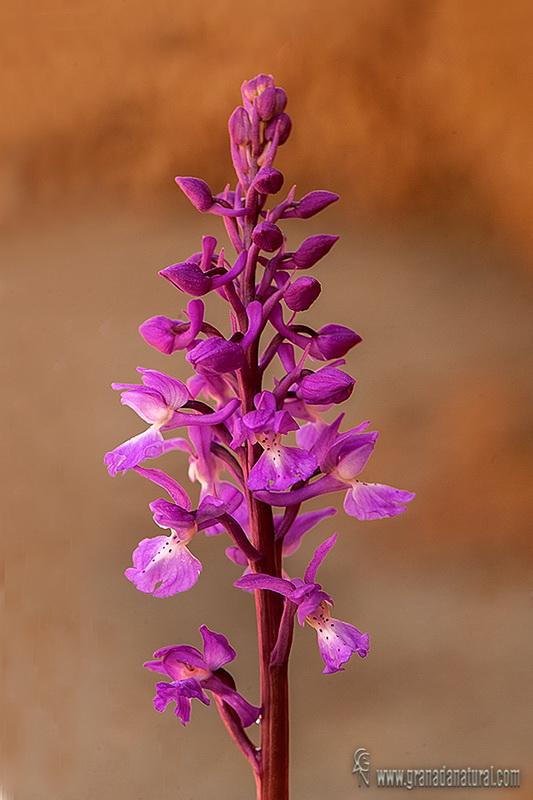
pixel 337 640
pixel 192 673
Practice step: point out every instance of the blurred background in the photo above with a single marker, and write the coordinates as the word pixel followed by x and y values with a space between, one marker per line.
pixel 419 115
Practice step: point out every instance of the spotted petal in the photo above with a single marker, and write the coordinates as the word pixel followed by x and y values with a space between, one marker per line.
pixel 163 566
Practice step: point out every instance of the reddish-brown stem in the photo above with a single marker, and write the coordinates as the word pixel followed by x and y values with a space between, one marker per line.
pixel 273 783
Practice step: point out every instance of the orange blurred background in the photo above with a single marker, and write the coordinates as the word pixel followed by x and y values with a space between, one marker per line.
pixel 419 115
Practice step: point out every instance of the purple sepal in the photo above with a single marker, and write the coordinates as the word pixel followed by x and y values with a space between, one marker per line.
pixel 268 181
pixel 176 661
pixel 200 195
pixel 312 250
pixel 240 129
pixel 168 335
pixel 188 278
pixel 217 650
pixel 310 204
pixel 282 124
pixel 174 489
pixel 267 236
pixel 325 386
pixel 160 395
pixel 318 557
pixel 271 101
pixel 301 525
pixel 215 356
pixel 302 293
pixel 334 341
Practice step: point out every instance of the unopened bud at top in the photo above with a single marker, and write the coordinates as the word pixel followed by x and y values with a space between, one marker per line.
pixel 312 250
pixel 197 191
pixel 256 86
pixel 267 236
pixel 268 180
pixel 285 124
pixel 240 128
pixel 302 293
pixel 271 102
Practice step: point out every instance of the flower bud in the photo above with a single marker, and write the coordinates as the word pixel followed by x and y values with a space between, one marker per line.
pixel 197 191
pixel 285 125
pixel 302 293
pixel 189 278
pixel 256 86
pixel 240 128
pixel 268 181
pixel 334 341
pixel 281 101
pixel 266 103
pixel 311 204
pixel 216 355
pixel 325 386
pixel 312 250
pixel 267 236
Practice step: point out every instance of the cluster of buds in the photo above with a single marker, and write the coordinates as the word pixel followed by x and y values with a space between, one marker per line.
pixel 236 429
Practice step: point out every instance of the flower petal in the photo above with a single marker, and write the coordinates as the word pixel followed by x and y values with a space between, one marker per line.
pixel 217 650
pixel 163 566
pixel 180 692
pixel 301 525
pixel 280 467
pixel 337 641
pixel 318 557
pixel 375 500
pixel 147 444
pixel 175 490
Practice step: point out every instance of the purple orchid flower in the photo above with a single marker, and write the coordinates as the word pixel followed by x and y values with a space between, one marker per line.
pixel 168 335
pixel 193 672
pixel 157 402
pixel 279 467
pixel 337 640
pixel 342 457
pixel 163 565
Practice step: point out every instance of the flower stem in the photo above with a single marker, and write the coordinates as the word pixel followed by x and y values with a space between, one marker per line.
pixel 273 782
